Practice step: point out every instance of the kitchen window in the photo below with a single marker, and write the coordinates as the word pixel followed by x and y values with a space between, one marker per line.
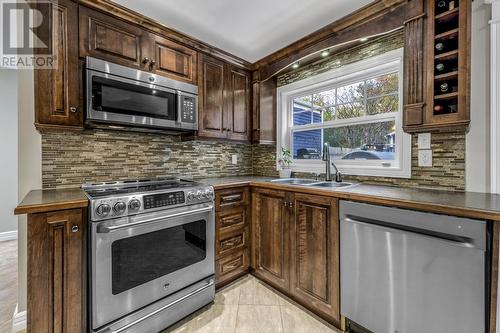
pixel 357 109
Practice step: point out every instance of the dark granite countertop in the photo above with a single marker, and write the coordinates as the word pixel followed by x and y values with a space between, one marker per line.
pixel 469 204
pixel 40 201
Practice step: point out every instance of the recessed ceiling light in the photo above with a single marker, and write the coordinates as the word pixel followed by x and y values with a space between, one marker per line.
pixel 295 66
pixel 364 39
pixel 325 53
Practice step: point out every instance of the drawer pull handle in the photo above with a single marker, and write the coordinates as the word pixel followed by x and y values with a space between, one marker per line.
pixel 233 197
pixel 75 229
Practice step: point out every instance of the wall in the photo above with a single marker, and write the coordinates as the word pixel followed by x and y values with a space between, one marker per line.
pixel 8 147
pixel 478 139
pixel 30 170
pixel 72 158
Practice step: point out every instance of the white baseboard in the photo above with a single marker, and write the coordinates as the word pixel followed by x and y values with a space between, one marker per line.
pixel 18 321
pixel 9 235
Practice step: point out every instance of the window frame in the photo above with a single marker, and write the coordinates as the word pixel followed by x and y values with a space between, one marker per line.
pixel 389 62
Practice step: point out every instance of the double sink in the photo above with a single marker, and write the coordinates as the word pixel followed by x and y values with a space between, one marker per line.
pixel 312 183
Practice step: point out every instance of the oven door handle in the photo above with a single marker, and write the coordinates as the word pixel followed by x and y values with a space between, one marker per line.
pixel 163 308
pixel 107 229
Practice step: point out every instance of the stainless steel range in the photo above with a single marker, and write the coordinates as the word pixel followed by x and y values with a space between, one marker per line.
pixel 151 253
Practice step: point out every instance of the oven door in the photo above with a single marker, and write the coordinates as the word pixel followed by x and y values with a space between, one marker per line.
pixel 140 259
pixel 116 99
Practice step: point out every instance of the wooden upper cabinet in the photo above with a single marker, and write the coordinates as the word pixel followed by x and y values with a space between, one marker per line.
pixel 264 110
pixel 239 105
pixel 314 254
pixel 270 222
pixel 107 38
pixel 114 40
pixel 212 121
pixel 173 60
pixel 224 100
pixel 57 91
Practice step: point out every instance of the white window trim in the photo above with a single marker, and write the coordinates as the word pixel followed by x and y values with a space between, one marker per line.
pixel 495 98
pixel 387 62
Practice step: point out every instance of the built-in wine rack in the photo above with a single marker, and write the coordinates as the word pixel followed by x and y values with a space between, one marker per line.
pixel 448 62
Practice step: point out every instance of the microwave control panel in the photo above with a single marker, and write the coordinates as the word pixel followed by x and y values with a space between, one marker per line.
pixel 188 109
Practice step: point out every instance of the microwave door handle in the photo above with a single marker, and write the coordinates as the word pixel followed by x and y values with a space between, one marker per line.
pixel 107 229
pixel 179 107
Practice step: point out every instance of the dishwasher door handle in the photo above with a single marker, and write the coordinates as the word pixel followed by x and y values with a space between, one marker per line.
pixel 393 227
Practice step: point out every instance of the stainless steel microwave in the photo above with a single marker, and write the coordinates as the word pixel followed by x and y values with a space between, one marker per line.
pixel 120 95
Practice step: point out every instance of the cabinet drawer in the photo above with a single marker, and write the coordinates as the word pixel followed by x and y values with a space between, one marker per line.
pixel 231 197
pixel 231 219
pixel 231 266
pixel 228 242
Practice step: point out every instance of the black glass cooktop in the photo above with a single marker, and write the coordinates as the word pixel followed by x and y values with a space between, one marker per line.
pixel 96 190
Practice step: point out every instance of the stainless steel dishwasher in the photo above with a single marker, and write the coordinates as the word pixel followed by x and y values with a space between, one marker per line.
pixel 410 272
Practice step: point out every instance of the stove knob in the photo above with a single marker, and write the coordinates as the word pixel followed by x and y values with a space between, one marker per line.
pixel 103 210
pixel 119 207
pixel 209 194
pixel 134 204
pixel 199 195
pixel 190 196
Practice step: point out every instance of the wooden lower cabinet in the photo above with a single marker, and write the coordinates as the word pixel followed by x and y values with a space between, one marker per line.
pixel 57 271
pixel 296 248
pixel 314 254
pixel 232 236
pixel 271 227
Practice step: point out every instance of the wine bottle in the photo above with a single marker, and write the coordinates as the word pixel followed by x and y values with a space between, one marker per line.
pixel 441 4
pixel 440 67
pixel 438 108
pixel 439 46
pixel 444 87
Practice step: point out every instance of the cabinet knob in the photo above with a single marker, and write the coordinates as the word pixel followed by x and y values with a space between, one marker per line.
pixel 73 109
pixel 75 228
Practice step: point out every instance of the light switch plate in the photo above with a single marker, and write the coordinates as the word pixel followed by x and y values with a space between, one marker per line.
pixel 424 141
pixel 425 158
pixel 234 159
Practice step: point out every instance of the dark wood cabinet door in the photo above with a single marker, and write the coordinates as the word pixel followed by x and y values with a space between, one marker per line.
pixel 56 272
pixel 173 60
pixel 107 38
pixel 212 118
pixel 264 110
pixel 239 104
pixel 270 223
pixel 57 91
pixel 314 254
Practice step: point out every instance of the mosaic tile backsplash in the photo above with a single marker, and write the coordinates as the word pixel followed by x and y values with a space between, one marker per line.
pixel 72 158
pixel 447 172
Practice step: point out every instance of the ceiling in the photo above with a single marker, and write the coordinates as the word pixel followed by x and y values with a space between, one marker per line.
pixel 248 29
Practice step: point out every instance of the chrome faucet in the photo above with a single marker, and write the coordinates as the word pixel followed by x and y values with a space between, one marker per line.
pixel 327 157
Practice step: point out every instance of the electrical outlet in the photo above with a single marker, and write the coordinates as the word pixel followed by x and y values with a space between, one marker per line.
pixel 424 141
pixel 425 158
pixel 234 159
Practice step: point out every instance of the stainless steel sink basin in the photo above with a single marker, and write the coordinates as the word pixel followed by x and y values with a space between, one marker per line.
pixel 294 181
pixel 330 184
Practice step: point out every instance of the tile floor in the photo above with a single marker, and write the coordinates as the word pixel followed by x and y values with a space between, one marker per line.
pixel 8 284
pixel 250 306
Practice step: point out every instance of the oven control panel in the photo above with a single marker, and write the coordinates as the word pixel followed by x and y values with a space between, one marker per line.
pixel 163 199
